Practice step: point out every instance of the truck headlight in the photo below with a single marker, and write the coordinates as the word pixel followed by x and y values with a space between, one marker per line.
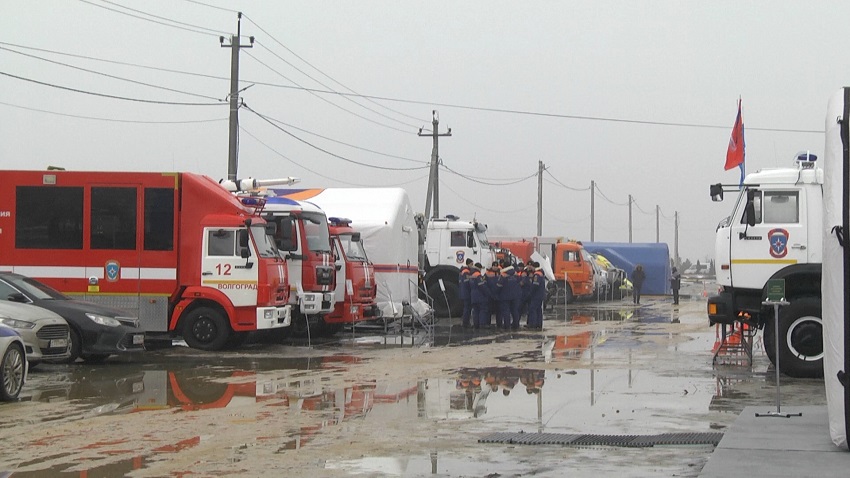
pixel 268 314
pixel 103 320
pixel 353 310
pixel 16 324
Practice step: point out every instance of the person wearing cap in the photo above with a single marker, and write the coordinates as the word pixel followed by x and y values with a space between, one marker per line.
pixel 479 294
pixel 638 276
pixel 495 287
pixel 535 301
pixel 675 284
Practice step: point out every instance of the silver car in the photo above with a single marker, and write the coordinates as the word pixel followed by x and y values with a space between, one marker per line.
pixel 45 334
pixel 13 364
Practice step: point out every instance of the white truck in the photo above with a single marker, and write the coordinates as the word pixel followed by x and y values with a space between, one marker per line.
pixel 445 244
pixel 774 232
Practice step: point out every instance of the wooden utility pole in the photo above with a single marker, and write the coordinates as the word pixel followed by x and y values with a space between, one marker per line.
pixel 434 177
pixel 235 46
pixel 592 198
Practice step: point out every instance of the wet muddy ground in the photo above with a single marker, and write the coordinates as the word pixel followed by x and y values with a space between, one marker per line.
pixel 402 403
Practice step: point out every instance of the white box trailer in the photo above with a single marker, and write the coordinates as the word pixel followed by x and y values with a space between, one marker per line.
pixel 385 220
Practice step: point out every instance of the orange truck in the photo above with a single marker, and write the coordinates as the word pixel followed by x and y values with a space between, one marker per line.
pixel 574 267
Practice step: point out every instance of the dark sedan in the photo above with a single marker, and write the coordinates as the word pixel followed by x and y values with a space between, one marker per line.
pixel 96 331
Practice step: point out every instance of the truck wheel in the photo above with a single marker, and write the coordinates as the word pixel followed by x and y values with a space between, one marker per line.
pixel 800 338
pixel 454 308
pixel 206 328
pixel 565 293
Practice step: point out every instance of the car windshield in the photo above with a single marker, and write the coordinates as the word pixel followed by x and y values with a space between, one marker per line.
pixel 35 289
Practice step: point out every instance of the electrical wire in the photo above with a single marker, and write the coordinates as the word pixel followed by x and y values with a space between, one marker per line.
pixel 385 168
pixel 470 178
pixel 258 43
pixel 346 144
pixel 112 120
pixel 325 74
pixel 566 221
pixel 499 211
pixel 314 171
pixel 212 6
pixel 94 72
pixel 217 32
pixel 607 199
pixel 104 95
pixel 559 183
pixel 148 19
pixel 325 99
pixel 634 201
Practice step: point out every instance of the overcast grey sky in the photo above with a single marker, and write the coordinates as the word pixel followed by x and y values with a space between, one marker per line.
pixel 549 67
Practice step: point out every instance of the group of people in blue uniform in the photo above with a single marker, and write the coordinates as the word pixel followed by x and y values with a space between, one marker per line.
pixel 503 291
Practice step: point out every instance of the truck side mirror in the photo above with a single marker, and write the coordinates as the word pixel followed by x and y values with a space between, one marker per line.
pixel 716 191
pixel 355 237
pixel 271 228
pixel 244 252
pixel 243 238
pixel 749 217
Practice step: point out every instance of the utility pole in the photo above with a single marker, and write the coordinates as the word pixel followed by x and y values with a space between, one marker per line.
pixel 592 194
pixel 540 167
pixel 630 218
pixel 235 46
pixel 657 223
pixel 434 177
pixel 676 242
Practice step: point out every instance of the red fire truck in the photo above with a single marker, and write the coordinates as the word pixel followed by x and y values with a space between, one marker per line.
pixel 356 290
pixel 176 248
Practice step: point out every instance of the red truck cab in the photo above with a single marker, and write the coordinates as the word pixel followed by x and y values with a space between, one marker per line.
pixel 356 290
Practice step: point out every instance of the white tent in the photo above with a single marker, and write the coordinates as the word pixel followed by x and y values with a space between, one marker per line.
pixel 834 283
pixel 384 218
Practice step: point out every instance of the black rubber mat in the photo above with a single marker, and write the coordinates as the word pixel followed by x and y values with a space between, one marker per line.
pixel 638 441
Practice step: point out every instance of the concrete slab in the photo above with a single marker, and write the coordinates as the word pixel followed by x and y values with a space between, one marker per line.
pixel 777 446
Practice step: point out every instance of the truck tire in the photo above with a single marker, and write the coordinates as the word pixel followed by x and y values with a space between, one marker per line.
pixel 206 328
pixel 800 338
pixel 564 293
pixel 454 308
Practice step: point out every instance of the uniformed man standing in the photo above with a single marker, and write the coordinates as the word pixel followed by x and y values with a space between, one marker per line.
pixel 535 301
pixel 510 297
pixel 479 293
pixel 463 283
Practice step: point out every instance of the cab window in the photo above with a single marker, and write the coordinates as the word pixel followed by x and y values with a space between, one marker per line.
pixel 458 239
pixel 776 207
pixel 221 243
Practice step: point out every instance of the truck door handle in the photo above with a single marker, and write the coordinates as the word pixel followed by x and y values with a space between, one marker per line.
pixel 802 247
pixel 206 273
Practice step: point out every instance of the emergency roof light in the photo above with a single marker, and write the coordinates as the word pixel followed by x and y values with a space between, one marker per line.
pixel 806 160
pixel 339 221
pixel 249 183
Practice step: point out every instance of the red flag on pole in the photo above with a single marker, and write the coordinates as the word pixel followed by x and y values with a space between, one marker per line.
pixel 735 152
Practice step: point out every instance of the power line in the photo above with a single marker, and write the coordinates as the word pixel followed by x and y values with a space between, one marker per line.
pixel 217 32
pixel 346 144
pixel 399 100
pixel 148 19
pixel 607 199
pixel 500 211
pixel 104 95
pixel 326 86
pixel 470 178
pixel 110 76
pixel 325 99
pixel 213 6
pixel 328 152
pixel 112 120
pixel 326 75
pixel 314 171
pixel 559 183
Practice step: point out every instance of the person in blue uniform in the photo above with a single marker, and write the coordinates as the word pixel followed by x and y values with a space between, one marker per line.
pixel 479 293
pixel 463 284
pixel 494 285
pixel 509 298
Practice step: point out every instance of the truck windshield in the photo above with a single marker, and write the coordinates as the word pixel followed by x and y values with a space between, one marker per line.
pixel 316 231
pixel 353 250
pixel 482 239
pixel 265 243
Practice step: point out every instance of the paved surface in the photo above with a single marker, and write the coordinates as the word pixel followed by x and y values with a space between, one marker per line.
pixel 777 446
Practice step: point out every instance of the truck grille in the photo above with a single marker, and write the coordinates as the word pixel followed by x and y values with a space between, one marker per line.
pixel 324 275
pixel 49 332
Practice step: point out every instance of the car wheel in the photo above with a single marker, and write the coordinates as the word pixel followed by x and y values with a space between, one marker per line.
pixel 76 347
pixel 206 328
pixel 12 369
